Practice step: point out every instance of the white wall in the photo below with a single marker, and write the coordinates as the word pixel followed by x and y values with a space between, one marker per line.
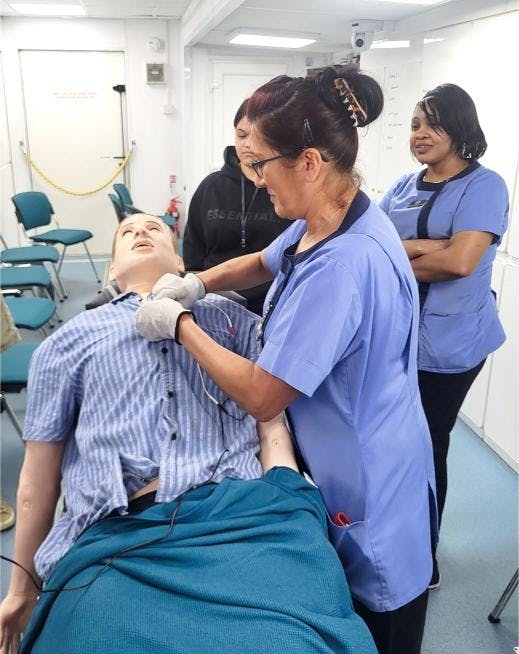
pixel 158 136
pixel 465 58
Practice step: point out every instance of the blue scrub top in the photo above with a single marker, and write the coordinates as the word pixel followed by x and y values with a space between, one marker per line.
pixel 341 327
pixel 459 325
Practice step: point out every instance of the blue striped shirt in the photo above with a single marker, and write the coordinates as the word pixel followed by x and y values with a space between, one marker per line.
pixel 131 410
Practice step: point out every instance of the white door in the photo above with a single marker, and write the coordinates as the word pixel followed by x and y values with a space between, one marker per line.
pixel 9 226
pixel 74 132
pixel 232 83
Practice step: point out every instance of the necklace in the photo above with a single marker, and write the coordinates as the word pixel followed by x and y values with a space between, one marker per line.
pixel 441 181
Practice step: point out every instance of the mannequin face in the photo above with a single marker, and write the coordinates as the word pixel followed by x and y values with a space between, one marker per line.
pixel 144 250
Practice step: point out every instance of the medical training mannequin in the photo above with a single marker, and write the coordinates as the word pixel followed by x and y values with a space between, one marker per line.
pixel 339 338
pixel 171 539
pixel 451 216
pixel 228 216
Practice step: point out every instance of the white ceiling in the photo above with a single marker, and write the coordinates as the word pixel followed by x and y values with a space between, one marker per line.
pixel 330 19
pixel 114 8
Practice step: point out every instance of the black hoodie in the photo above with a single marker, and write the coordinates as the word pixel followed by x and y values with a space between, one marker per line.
pixel 214 230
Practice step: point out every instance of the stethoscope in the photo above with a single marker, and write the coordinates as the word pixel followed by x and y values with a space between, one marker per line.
pixel 245 212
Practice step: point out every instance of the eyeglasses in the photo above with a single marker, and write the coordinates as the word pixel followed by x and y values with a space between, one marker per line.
pixel 258 165
pixel 308 141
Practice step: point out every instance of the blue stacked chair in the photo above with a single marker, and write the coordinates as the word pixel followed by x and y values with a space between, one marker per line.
pixel 14 373
pixel 34 254
pixel 126 202
pixel 33 209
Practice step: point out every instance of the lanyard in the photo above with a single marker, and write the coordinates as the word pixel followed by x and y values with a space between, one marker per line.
pixel 287 267
pixel 245 212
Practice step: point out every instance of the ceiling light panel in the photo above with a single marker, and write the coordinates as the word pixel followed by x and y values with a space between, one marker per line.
pixel 32 9
pixel 269 41
pixel 415 2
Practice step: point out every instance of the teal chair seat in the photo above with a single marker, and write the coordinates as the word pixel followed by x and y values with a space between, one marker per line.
pixel 18 277
pixel 169 220
pixel 64 236
pixel 14 365
pixel 30 254
pixel 30 312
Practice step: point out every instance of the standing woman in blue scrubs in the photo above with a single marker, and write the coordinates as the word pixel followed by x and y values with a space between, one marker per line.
pixel 451 216
pixel 339 334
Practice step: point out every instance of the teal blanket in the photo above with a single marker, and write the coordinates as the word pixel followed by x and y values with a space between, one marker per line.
pixel 247 568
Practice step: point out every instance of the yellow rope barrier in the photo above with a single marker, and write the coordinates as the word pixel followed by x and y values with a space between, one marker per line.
pixel 40 172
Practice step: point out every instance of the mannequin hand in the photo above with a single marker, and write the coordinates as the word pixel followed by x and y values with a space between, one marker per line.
pixel 159 319
pixel 15 613
pixel 186 290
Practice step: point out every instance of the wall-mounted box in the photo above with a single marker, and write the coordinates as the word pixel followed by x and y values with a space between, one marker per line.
pixel 155 74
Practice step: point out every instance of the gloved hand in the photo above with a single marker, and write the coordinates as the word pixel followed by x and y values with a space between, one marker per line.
pixel 159 319
pixel 186 290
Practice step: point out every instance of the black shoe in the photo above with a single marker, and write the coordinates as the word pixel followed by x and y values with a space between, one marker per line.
pixel 436 577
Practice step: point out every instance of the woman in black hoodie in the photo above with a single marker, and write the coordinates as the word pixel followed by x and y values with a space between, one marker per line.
pixel 229 216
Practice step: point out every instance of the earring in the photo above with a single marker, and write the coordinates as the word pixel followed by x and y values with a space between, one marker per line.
pixel 464 154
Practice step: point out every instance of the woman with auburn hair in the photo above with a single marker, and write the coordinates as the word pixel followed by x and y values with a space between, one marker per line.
pixel 339 336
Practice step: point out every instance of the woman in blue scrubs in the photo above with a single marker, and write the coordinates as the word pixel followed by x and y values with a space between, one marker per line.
pixel 451 216
pixel 339 335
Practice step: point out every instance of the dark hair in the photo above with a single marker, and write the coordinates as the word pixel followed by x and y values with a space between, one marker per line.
pixel 297 112
pixel 450 108
pixel 242 110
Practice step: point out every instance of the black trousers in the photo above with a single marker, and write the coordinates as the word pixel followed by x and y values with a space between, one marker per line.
pixel 442 396
pixel 399 631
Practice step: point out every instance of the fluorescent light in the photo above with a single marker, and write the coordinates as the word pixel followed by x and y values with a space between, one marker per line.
pixel 426 41
pixel 31 9
pixel 266 41
pixel 390 44
pixel 414 2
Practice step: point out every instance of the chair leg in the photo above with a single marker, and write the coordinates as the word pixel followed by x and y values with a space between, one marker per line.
pixel 60 319
pixel 44 330
pixel 63 290
pixel 503 600
pixel 5 405
pixel 92 263
pixel 61 259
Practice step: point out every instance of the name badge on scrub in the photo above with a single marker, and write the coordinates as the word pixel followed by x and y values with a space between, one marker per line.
pixel 417 204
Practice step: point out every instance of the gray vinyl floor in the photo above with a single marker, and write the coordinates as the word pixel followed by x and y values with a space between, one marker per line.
pixel 479 542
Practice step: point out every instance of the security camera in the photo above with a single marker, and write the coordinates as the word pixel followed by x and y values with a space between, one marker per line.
pixel 362 33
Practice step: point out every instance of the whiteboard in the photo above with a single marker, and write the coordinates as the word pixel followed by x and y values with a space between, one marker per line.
pixel 401 91
pixel 368 157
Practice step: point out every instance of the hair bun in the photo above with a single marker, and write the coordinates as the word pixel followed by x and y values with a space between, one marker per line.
pixel 365 92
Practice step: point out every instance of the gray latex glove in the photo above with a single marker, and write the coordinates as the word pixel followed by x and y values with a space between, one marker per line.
pixel 159 319
pixel 186 290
